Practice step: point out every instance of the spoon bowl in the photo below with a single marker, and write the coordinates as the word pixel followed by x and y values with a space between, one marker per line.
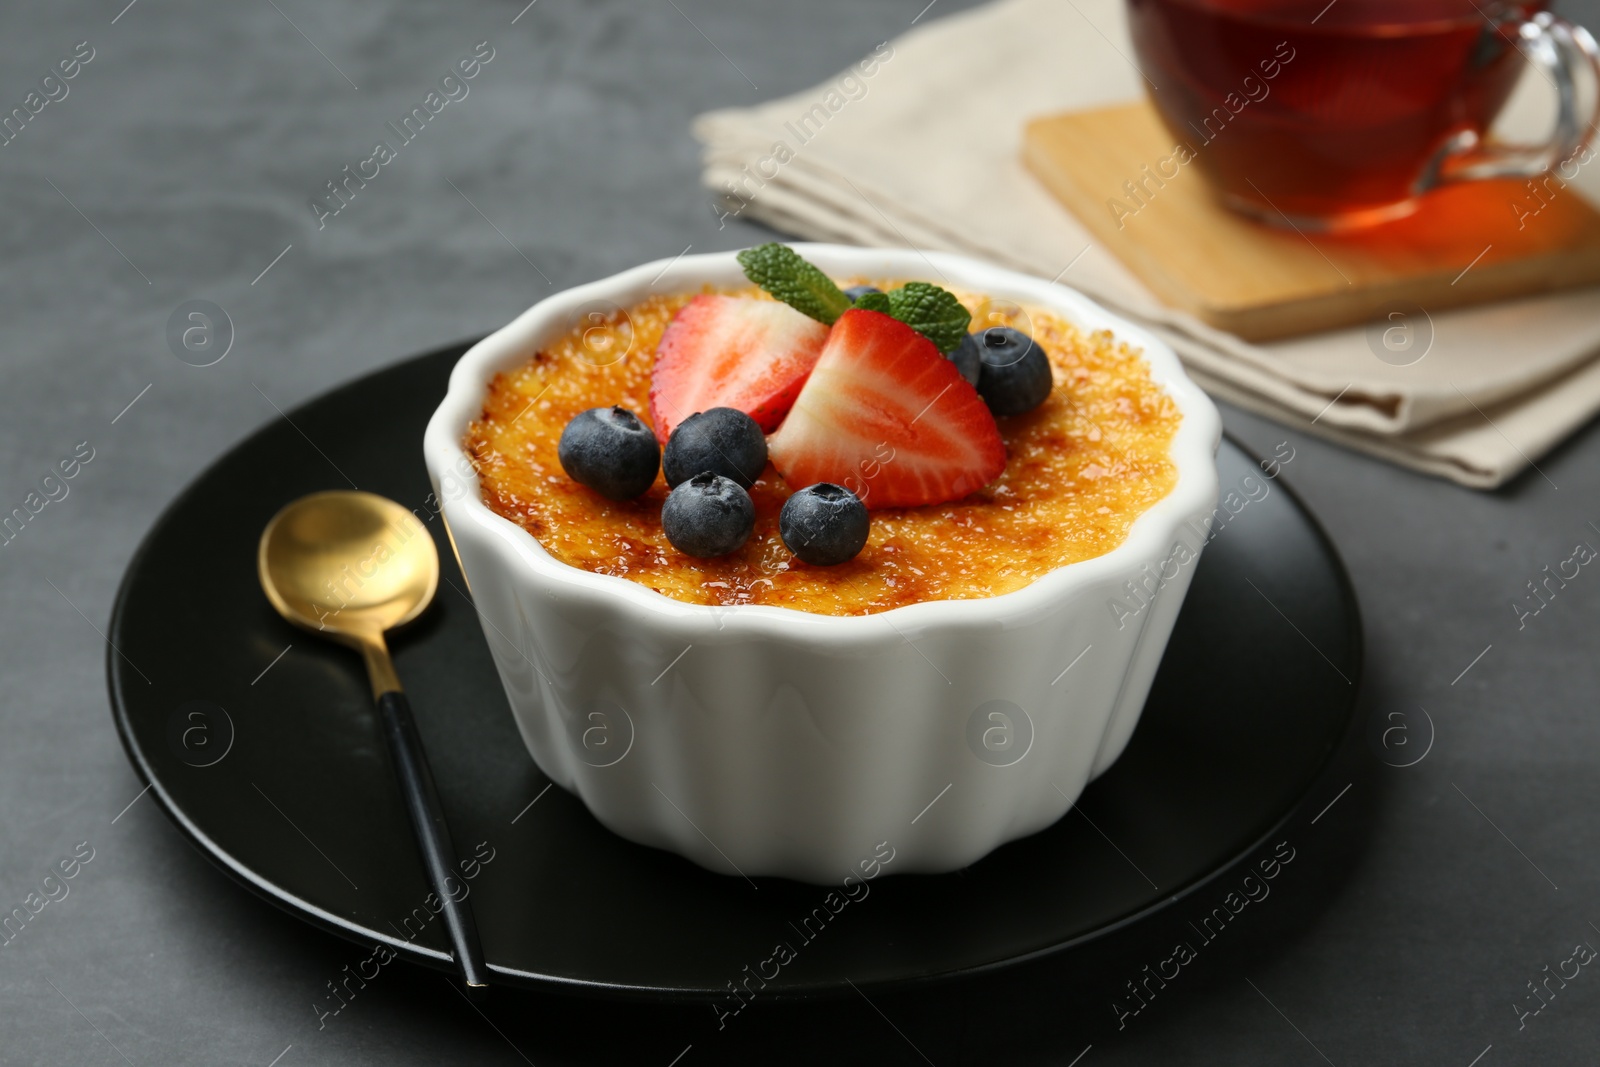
pixel 347 564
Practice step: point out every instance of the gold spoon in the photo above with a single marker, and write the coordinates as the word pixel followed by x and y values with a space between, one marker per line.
pixel 350 566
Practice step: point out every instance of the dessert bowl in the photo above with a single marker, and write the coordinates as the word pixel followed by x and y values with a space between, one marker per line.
pixel 764 740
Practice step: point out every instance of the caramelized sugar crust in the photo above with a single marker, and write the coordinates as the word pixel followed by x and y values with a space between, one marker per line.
pixel 1080 469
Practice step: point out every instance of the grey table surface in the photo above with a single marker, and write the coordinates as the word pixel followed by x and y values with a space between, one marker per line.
pixel 178 167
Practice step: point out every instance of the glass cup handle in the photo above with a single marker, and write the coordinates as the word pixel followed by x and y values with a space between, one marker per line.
pixel 1560 50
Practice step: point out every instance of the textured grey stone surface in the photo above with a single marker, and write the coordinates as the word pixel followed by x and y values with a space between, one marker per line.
pixel 178 166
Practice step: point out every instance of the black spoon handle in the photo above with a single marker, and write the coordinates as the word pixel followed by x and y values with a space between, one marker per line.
pixel 433 838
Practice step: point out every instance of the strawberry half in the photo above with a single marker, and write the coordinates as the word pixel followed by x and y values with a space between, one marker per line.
pixel 887 417
pixel 732 352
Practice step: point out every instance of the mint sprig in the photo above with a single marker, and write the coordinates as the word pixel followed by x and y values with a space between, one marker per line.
pixel 931 311
pixel 780 271
pixel 875 302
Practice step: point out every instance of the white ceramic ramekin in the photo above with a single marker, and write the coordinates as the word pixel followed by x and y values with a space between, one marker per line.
pixel 767 741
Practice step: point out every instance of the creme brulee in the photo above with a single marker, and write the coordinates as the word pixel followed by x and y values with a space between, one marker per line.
pixel 1080 468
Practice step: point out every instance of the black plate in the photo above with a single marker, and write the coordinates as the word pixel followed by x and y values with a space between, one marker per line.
pixel 271 762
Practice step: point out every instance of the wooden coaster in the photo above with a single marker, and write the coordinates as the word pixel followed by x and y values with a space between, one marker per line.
pixel 1462 246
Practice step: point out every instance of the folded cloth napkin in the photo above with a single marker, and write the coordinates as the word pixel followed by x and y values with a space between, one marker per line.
pixel 919 144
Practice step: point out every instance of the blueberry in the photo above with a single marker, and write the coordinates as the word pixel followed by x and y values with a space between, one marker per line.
pixel 824 524
pixel 611 451
pixel 967 357
pixel 856 292
pixel 708 515
pixel 1015 372
pixel 723 441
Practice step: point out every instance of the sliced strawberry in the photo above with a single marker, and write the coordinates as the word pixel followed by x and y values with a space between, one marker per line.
pixel 732 352
pixel 887 417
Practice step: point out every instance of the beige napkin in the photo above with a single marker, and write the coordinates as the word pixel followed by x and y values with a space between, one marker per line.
pixel 919 145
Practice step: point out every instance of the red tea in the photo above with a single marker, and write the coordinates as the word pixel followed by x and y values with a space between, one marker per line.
pixel 1325 111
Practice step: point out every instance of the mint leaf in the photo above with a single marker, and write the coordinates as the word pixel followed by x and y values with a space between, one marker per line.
pixel 875 302
pixel 780 271
pixel 931 311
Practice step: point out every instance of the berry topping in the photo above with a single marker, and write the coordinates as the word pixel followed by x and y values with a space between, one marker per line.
pixel 886 416
pixel 824 524
pixel 968 357
pixel 708 515
pixel 723 441
pixel 856 292
pixel 1015 375
pixel 611 451
pixel 735 352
